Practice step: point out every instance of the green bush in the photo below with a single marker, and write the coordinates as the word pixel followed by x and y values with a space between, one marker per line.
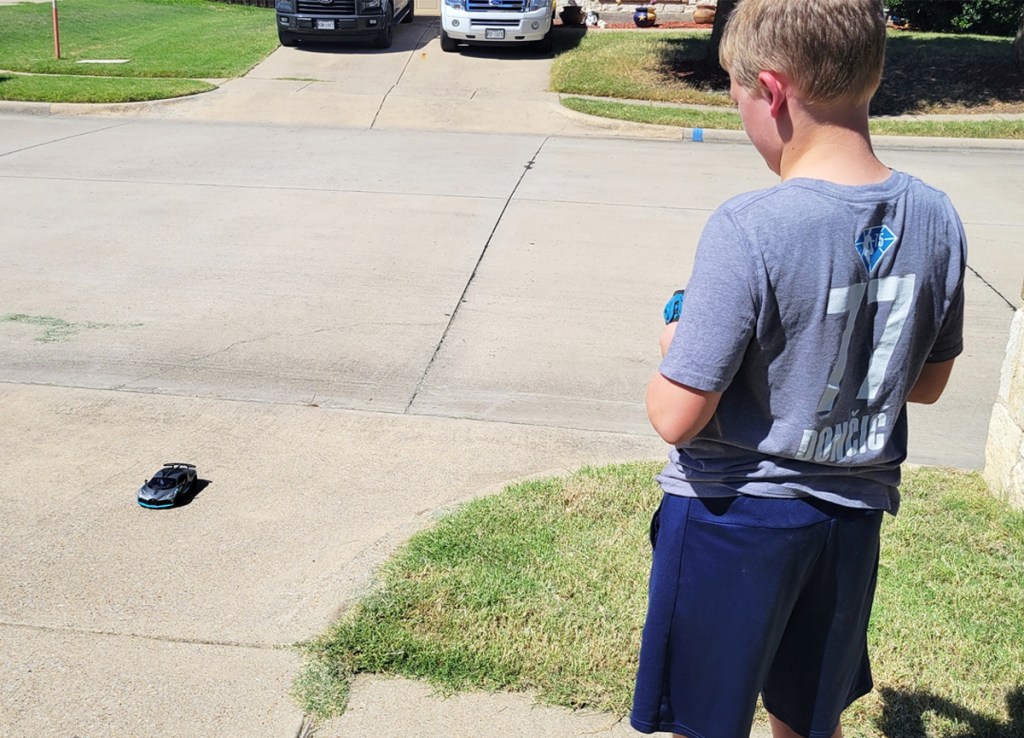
pixel 991 17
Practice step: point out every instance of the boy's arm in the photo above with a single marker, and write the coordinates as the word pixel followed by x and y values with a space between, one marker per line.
pixel 677 412
pixel 949 343
pixel 931 382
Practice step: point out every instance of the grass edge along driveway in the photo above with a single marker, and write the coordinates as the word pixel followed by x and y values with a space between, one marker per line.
pixel 542 588
pixel 172 48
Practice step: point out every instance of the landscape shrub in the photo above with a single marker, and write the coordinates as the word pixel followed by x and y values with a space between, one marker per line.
pixel 990 17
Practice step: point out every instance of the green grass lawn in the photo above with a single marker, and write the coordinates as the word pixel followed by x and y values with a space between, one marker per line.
pixel 66 88
pixel 924 74
pixel 163 40
pixel 543 588
pixel 637 66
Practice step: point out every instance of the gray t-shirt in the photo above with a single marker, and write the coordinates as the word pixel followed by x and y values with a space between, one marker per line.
pixel 813 307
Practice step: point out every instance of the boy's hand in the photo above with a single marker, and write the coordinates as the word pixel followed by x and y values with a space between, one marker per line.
pixel 666 338
pixel 674 307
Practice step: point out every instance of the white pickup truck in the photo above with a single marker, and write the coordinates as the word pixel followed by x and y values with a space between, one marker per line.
pixel 497 22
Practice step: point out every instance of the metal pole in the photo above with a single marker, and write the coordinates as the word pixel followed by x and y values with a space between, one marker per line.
pixel 56 32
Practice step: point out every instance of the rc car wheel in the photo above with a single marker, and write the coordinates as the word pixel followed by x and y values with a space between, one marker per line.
pixel 447 42
pixel 286 38
pixel 386 36
pixel 410 13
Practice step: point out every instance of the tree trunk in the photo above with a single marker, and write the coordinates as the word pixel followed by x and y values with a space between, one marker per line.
pixel 1018 43
pixel 721 16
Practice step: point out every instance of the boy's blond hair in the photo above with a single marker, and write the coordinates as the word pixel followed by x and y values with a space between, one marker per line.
pixel 830 49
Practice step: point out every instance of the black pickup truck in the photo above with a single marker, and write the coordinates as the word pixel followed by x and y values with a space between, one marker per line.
pixel 322 21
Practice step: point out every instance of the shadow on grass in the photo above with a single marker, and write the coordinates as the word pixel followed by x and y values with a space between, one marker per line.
pixel 926 74
pixel 683 61
pixel 923 74
pixel 903 715
pixel 568 37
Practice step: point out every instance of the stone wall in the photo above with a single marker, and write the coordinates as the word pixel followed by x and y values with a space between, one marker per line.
pixel 1004 452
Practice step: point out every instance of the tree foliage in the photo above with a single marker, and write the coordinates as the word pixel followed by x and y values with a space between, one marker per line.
pixel 991 17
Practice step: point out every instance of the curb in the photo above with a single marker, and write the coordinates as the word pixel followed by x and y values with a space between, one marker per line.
pixel 129 109
pixel 715 135
pixel 25 108
pixel 50 108
pixel 653 131
pixel 947 144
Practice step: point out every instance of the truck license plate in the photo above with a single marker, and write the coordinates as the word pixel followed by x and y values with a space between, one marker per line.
pixel 325 25
pixel 494 33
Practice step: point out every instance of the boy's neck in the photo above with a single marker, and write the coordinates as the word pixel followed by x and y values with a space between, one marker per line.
pixel 831 145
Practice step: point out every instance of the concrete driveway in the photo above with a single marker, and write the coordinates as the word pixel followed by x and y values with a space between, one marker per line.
pixel 413 85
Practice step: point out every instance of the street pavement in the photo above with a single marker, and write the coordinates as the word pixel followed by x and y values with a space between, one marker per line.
pixel 351 323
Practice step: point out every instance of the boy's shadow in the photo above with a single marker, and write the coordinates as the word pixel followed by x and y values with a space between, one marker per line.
pixel 903 715
pixel 197 486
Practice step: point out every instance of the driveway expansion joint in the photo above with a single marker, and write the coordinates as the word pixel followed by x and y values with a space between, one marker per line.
pixel 145 637
pixel 483 252
pixel 63 138
pixel 1009 304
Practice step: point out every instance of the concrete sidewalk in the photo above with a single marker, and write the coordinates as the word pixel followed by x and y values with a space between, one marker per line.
pixel 177 623
pixel 413 85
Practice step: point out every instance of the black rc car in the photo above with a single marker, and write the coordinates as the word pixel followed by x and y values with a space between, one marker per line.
pixel 167 485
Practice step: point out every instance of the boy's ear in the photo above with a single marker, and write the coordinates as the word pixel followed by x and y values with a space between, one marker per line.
pixel 775 86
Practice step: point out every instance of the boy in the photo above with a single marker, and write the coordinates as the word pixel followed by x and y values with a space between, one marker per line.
pixel 816 310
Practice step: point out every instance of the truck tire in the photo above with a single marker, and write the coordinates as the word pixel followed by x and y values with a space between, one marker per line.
pixel 447 42
pixel 386 35
pixel 286 38
pixel 410 14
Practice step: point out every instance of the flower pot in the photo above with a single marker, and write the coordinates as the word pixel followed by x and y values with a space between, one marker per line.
pixel 571 15
pixel 644 17
pixel 704 15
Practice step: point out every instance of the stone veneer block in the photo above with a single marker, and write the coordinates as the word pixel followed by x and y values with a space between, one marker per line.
pixel 1004 455
pixel 1011 380
pixel 1004 449
pixel 1015 488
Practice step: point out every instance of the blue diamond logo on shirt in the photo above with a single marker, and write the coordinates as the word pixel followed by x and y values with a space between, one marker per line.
pixel 874 242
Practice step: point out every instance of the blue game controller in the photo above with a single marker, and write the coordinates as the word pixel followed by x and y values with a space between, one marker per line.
pixel 674 307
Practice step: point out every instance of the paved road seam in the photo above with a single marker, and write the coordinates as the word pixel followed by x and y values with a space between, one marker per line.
pixel 144 637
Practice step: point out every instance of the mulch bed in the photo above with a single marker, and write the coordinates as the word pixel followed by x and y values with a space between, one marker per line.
pixel 659 25
pixel 663 24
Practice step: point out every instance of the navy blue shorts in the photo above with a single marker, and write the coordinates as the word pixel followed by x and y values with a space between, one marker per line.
pixel 752 595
